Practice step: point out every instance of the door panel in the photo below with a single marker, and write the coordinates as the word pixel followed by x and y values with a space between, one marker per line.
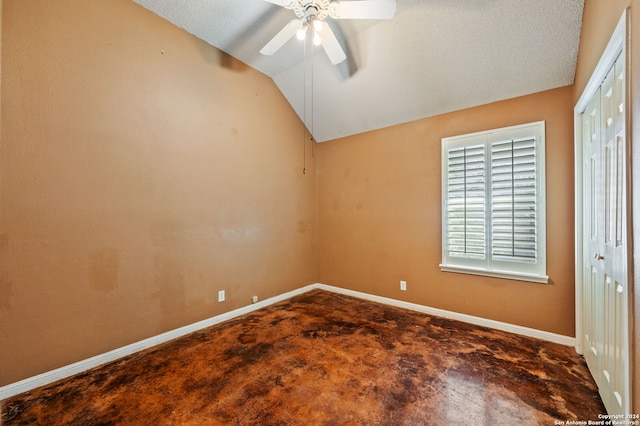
pixel 592 309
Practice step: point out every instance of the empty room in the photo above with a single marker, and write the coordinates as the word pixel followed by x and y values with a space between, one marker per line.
pixel 391 212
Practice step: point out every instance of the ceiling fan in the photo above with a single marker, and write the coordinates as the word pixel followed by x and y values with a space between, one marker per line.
pixel 312 13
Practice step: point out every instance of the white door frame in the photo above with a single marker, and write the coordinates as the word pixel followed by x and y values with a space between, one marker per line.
pixel 617 46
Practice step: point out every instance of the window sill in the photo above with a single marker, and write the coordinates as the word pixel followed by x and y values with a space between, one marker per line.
pixel 543 279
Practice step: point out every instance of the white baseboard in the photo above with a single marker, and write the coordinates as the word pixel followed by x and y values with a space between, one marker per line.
pixel 498 325
pixel 84 365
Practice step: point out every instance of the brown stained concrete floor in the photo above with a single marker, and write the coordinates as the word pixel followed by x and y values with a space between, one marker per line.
pixel 327 359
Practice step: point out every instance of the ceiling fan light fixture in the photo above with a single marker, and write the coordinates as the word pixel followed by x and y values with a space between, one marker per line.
pixel 301 33
pixel 317 25
pixel 317 41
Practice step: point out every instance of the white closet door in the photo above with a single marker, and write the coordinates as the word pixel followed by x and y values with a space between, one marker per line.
pixel 592 310
pixel 605 311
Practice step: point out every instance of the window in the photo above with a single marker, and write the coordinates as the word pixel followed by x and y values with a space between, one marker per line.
pixel 493 193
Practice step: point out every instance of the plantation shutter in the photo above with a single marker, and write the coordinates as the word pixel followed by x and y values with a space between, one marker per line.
pixel 493 203
pixel 466 201
pixel 513 200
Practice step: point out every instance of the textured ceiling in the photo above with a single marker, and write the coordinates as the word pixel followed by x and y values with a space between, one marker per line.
pixel 433 57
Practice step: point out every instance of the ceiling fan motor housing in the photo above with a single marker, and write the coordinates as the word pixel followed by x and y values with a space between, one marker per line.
pixel 310 10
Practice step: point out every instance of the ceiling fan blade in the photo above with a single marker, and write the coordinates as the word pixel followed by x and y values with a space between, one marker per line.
pixel 284 3
pixel 331 45
pixel 282 37
pixel 364 9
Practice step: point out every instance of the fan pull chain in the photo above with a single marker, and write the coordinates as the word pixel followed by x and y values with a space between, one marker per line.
pixel 304 111
pixel 312 86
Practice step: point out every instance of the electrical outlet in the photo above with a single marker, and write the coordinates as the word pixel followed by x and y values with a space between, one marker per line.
pixel 254 299
pixel 403 285
pixel 221 296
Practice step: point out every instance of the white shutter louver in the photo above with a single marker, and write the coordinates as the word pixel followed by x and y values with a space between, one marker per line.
pixel 513 200
pixel 466 195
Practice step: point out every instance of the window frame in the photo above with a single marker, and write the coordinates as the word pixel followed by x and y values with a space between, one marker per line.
pixel 488 266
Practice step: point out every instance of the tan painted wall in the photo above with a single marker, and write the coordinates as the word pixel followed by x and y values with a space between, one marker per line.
pixel 142 171
pixel 379 215
pixel 599 20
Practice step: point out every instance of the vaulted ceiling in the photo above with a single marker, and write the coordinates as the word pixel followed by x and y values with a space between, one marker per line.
pixel 432 57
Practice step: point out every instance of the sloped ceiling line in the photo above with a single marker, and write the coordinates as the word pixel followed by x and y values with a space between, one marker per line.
pixel 433 57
